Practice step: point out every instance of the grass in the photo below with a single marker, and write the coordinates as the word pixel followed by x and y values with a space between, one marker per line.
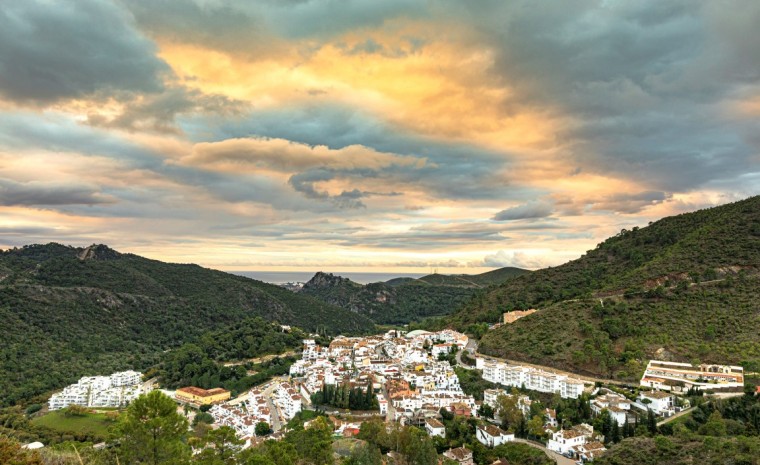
pixel 96 424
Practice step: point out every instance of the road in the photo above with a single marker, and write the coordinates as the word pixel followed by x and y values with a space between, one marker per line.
pixel 559 458
pixel 472 348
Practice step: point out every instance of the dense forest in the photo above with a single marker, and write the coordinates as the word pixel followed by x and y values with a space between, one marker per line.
pixel 200 363
pixel 684 288
pixel 402 300
pixel 67 312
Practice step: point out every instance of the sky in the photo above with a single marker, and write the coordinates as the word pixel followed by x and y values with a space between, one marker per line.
pixel 387 136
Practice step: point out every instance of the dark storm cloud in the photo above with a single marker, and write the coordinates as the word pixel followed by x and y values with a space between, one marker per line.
pixel 644 81
pixel 50 52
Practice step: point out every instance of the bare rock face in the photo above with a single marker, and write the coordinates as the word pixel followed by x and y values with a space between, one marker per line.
pixel 98 252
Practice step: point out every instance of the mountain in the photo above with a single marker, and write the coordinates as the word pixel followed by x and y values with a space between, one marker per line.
pixel 402 300
pixel 685 287
pixel 66 312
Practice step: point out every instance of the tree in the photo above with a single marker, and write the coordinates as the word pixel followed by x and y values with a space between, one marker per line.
pixel 536 427
pixel 219 447
pixel 509 412
pixel 651 422
pixel 314 444
pixel 365 454
pixel 417 447
pixel 152 432
pixel 262 428
pixel 203 417
pixel 270 453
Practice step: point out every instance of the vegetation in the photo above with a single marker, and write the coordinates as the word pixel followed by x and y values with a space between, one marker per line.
pixel 190 365
pixel 93 425
pixel 66 312
pixel 345 397
pixel 402 300
pixel 686 284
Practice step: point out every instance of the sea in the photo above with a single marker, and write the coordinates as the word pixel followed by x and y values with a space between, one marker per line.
pixel 281 277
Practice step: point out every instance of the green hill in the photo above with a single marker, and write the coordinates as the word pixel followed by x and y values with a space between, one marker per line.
pixel 684 287
pixel 402 300
pixel 66 312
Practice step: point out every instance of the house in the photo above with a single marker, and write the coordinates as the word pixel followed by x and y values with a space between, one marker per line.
pixel 660 402
pixel 198 396
pixel 492 436
pixel 589 451
pixel 435 428
pixel 563 441
pixel 617 406
pixel 460 455
pixel 550 416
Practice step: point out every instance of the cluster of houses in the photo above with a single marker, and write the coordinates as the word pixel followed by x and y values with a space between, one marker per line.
pixel 116 390
pixel 414 383
pixel 237 418
pixel 529 378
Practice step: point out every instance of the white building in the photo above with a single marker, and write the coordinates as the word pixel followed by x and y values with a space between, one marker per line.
pixel 530 378
pixel 441 349
pixel 492 436
pixel 661 403
pixel 617 406
pixel 564 440
pixel 116 390
pixel 675 376
pixel 435 428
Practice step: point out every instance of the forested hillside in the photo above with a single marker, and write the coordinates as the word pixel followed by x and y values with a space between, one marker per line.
pixel 685 287
pixel 66 312
pixel 403 300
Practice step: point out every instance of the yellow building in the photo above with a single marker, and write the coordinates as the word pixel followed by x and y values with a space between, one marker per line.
pixel 198 396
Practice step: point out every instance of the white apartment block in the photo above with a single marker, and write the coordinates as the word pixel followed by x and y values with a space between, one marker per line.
pixel 116 390
pixel 530 378
pixel 288 400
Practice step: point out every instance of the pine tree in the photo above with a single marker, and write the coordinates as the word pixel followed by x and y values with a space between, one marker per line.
pixel 152 432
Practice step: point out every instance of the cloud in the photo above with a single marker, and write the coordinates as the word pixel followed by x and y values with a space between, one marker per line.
pixel 157 112
pixel 517 259
pixel 51 52
pixel 287 156
pixel 530 210
pixel 36 193
pixel 631 202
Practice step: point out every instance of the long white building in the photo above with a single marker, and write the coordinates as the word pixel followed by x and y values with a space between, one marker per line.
pixel 530 378
pixel 116 390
